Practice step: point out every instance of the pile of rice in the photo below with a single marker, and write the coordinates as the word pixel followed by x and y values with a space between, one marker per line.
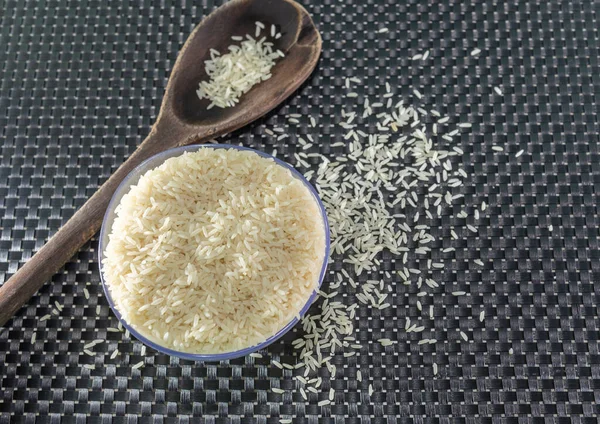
pixel 214 251
pixel 236 72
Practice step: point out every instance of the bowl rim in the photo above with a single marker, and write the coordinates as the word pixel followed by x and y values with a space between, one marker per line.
pixel 122 189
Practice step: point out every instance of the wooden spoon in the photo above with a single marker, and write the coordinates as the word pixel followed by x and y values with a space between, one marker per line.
pixel 184 119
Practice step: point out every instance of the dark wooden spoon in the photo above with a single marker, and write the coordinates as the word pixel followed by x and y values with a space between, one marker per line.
pixel 184 119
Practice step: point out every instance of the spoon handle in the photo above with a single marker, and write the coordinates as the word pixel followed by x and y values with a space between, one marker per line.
pixel 19 288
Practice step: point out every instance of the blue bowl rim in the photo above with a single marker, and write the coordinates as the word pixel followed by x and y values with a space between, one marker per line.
pixel 167 154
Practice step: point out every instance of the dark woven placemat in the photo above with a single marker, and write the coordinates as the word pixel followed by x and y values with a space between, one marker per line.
pixel 80 85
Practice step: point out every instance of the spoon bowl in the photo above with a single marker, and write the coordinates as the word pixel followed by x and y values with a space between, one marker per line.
pixel 300 42
pixel 184 119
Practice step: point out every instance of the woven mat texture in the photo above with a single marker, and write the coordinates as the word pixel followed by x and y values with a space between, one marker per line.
pixel 80 85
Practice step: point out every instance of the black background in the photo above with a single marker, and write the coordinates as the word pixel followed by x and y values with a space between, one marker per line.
pixel 80 85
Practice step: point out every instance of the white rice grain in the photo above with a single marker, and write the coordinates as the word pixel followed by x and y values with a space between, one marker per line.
pixel 233 74
pixel 163 284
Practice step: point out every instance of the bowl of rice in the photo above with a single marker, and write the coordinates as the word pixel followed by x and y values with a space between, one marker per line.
pixel 211 252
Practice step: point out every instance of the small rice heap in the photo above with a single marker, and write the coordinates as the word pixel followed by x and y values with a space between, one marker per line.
pixel 214 251
pixel 235 73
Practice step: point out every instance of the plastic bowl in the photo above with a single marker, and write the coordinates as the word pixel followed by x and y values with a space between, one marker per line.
pixel 109 217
